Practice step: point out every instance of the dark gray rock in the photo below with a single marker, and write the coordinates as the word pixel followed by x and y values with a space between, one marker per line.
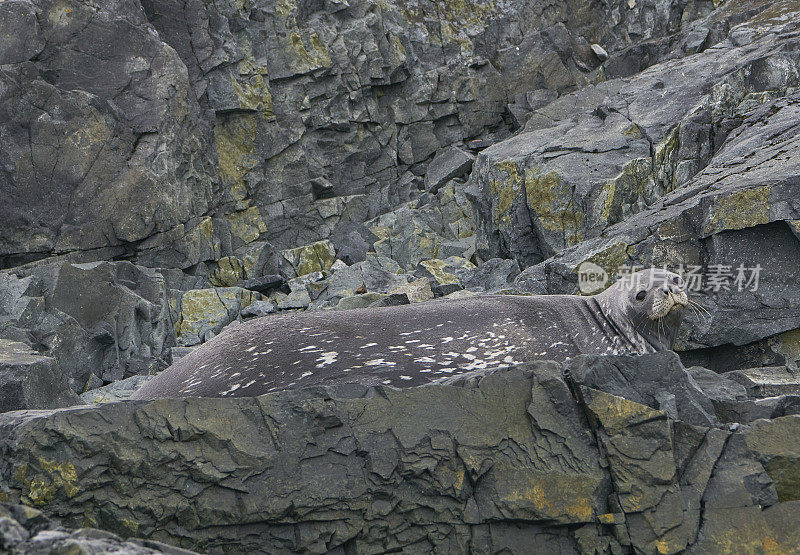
pixel 394 299
pixel 114 391
pixel 511 459
pixel 257 308
pixel 111 319
pixel 352 242
pixel 439 467
pixel 89 99
pixel 717 387
pixel 769 381
pixel 446 165
pixel 646 379
pixel 31 381
pixel 493 275
pixel 26 531
pixel 264 284
pixel 20 35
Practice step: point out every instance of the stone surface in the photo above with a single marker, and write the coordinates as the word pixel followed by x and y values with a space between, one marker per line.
pixel 516 459
pixel 767 382
pixel 107 318
pixel 446 165
pixel 387 468
pixel 100 113
pixel 27 531
pixel 31 381
pixel 115 391
pixel 658 380
pixel 165 164
pixel 204 312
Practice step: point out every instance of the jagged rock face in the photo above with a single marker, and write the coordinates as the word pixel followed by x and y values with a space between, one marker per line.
pixel 591 159
pixel 99 321
pixel 521 459
pixel 101 146
pixel 27 531
pixel 225 160
pixel 182 132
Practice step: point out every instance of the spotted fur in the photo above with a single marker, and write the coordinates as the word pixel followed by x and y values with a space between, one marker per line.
pixel 415 344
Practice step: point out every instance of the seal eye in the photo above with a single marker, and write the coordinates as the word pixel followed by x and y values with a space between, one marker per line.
pixel 641 295
pixel 676 279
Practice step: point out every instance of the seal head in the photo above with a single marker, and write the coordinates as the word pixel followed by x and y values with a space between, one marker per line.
pixel 647 307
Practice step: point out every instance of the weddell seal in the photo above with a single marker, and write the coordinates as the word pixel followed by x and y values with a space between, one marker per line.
pixel 415 344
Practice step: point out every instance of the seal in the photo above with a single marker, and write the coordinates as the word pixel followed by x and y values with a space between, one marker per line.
pixel 411 345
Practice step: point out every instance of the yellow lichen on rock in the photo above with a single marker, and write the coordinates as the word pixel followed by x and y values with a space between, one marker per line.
pixel 740 210
pixel 505 192
pixel 246 224
pixel 43 487
pixel 285 7
pixel 558 496
pixel 437 268
pixel 315 257
pixel 234 137
pixel 610 259
pixel 229 272
pixel 616 413
pixel 552 201
pixel 309 59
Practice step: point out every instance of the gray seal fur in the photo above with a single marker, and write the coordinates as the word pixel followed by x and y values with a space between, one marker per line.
pixel 412 345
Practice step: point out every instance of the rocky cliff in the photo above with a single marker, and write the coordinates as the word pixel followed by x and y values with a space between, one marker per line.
pixel 170 167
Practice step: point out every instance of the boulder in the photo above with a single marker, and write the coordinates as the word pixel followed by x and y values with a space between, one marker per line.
pixel 448 164
pixel 29 381
pixel 769 381
pixel 512 459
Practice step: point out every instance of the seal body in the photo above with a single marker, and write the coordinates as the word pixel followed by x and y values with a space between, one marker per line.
pixel 415 344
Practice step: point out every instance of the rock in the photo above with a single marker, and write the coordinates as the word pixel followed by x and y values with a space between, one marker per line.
pixel 298 298
pixel 204 312
pixel 493 275
pixel 361 300
pixel 585 163
pixel 444 271
pixel 446 289
pixel 29 381
pixel 417 291
pixel 448 164
pixel 717 387
pixel 638 443
pixel 89 136
pixel 769 381
pixel 596 469
pixel 645 380
pixel 21 35
pixel 25 530
pixel 718 226
pixel 264 284
pixel 176 353
pixel 110 318
pixel 599 51
pixel 316 257
pixel 257 308
pixel 394 299
pixel 352 241
pixel 115 391
pixel 479 483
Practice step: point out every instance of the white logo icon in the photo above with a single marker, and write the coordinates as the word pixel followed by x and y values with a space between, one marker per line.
pixel 591 278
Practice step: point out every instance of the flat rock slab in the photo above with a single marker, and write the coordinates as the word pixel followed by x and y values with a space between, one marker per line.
pixel 769 381
pixel 309 470
pixel 29 380
pixel 515 460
